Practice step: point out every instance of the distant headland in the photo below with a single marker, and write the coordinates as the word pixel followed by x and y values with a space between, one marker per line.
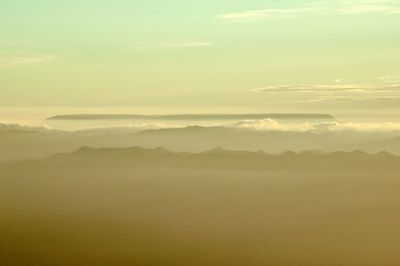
pixel 279 116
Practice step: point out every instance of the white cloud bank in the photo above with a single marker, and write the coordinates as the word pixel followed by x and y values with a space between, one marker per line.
pixel 273 125
pixel 267 125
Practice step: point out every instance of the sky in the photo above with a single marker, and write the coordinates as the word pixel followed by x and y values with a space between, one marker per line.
pixel 339 56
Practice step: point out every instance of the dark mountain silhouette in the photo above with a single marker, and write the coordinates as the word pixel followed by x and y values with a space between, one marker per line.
pixel 219 158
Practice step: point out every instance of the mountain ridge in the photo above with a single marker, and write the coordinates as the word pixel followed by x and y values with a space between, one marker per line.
pixel 217 158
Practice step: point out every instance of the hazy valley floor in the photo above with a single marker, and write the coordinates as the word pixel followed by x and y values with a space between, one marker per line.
pixel 153 207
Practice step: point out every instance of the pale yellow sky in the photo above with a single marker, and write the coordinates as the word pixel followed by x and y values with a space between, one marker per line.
pixel 202 56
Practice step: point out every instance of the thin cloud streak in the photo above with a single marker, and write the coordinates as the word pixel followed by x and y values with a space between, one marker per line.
pixel 329 88
pixel 336 92
pixel 168 45
pixel 360 7
pixel 340 7
pixel 391 79
pixel 25 60
pixel 186 44
pixel 254 15
pixel 348 99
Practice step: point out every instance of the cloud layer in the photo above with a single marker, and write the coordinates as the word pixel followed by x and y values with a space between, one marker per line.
pixel 257 124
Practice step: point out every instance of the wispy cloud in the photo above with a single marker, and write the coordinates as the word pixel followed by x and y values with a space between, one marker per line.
pixel 391 79
pixel 353 88
pixel 27 60
pixel 335 92
pixel 186 44
pixel 254 15
pixel 369 6
pixel 168 45
pixel 9 43
pixel 343 99
pixel 332 7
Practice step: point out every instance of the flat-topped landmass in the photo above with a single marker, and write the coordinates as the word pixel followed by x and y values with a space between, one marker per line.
pixel 195 116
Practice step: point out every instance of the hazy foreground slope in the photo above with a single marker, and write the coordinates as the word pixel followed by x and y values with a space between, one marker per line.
pixel 152 207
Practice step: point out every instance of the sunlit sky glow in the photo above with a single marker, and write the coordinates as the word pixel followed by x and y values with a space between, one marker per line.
pixel 270 56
